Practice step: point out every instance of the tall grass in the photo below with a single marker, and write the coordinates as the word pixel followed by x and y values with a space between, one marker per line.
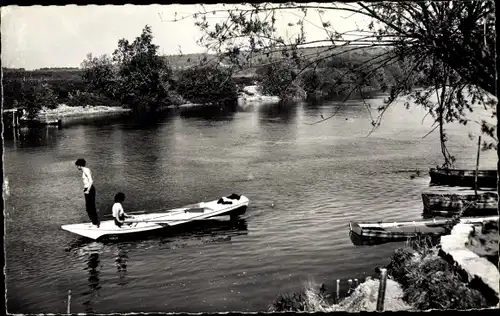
pixel 428 281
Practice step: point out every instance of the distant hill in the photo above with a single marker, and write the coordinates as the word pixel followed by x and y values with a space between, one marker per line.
pixel 180 62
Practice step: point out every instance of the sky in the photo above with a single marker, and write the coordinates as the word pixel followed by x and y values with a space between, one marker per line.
pixel 61 36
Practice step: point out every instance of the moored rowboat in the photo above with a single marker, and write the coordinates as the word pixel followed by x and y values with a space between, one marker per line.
pixel 463 177
pixel 443 202
pixel 231 205
pixel 396 231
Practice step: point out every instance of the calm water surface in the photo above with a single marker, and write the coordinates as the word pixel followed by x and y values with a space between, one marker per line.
pixel 305 183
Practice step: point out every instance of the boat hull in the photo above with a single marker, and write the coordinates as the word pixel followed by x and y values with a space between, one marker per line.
pixel 446 203
pixel 155 221
pixel 463 177
pixel 373 233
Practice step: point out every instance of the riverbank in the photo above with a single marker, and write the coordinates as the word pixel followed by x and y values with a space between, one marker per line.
pixel 61 115
pixel 423 275
pixel 64 111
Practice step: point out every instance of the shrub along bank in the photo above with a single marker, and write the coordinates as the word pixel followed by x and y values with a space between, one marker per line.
pixel 418 279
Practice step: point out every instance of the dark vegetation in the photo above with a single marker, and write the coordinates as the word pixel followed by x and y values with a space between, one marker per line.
pixel 429 282
pixel 485 243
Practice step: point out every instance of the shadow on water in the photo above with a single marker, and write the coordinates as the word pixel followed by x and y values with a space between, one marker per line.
pixel 282 112
pixel 148 121
pixel 93 282
pixel 96 120
pixel 361 241
pixel 209 230
pixel 209 112
pixel 33 137
pixel 121 261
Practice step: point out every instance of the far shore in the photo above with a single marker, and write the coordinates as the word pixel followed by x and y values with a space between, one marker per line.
pixel 64 111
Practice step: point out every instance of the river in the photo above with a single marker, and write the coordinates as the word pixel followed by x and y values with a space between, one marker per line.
pixel 305 183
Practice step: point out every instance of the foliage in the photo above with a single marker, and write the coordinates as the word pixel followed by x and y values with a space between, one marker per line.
pixel 12 90
pixel 36 95
pixel 135 75
pixel 207 84
pixel 293 301
pixel 280 79
pixel 429 282
pixel 485 243
pixel 86 98
pixel 143 75
pixel 63 82
pixel 100 74
pixel 432 285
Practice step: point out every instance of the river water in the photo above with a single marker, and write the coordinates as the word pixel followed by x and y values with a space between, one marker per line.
pixel 305 183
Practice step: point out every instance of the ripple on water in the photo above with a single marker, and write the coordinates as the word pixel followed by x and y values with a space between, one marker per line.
pixel 305 183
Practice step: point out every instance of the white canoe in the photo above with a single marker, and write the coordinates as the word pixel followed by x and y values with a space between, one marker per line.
pixel 153 221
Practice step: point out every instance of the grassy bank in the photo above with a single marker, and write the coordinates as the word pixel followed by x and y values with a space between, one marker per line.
pixel 418 279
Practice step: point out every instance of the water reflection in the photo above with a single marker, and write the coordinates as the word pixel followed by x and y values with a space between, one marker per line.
pixel 217 113
pixel 33 137
pixel 93 282
pixel 95 120
pixel 281 112
pixel 121 261
pixel 150 121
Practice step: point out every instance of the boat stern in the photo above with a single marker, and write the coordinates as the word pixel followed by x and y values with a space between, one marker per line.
pixel 84 230
pixel 355 228
pixel 244 200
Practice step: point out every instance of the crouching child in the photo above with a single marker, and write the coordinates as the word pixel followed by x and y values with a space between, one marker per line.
pixel 119 214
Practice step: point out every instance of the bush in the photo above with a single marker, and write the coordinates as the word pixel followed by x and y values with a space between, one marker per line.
pixel 207 85
pixel 84 98
pixel 429 282
pixel 289 302
pixel 34 95
pixel 280 79
pixel 174 98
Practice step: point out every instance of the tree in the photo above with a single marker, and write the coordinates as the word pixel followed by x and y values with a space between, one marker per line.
pixel 445 48
pixel 207 84
pixel 143 75
pixel 280 79
pixel 100 74
pixel 35 95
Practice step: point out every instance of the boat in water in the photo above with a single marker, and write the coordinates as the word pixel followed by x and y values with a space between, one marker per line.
pixel 380 232
pixel 463 177
pixel 446 202
pixel 232 205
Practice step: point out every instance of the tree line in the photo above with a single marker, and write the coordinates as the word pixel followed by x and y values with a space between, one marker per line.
pixel 135 75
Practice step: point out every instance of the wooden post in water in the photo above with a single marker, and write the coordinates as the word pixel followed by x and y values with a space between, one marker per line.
pixel 477 164
pixel 68 310
pixel 381 289
pixel 338 290
pixel 15 119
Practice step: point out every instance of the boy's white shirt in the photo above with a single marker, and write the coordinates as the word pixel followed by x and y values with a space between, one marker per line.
pixel 117 210
pixel 87 178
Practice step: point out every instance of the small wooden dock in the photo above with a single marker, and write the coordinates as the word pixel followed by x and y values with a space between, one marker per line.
pixel 15 118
